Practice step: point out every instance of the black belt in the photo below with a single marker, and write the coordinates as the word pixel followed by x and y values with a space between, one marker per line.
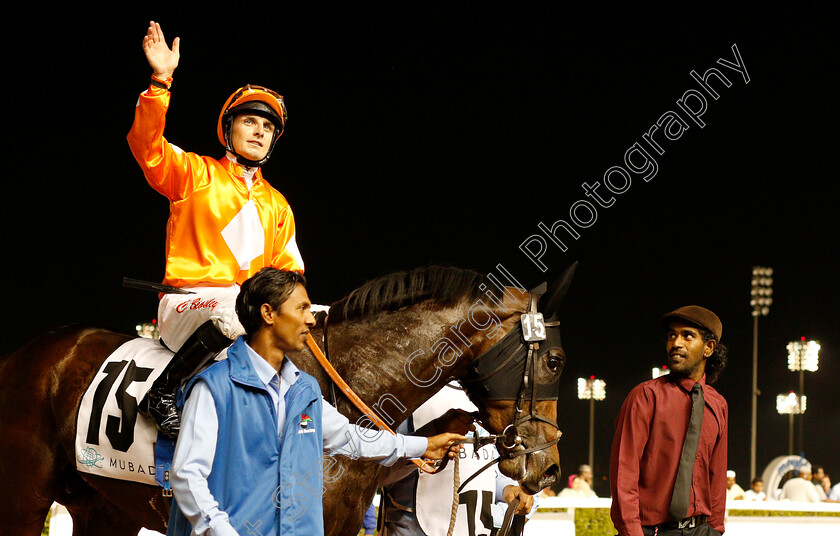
pixel 687 523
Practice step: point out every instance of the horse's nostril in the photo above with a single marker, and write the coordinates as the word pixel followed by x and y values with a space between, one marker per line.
pixel 552 473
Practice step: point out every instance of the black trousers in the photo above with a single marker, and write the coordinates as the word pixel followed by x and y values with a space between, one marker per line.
pixel 700 530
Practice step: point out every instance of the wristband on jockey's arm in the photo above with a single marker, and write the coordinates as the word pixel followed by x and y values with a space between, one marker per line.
pixel 163 83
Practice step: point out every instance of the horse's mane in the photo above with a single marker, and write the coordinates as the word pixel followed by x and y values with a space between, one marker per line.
pixel 444 284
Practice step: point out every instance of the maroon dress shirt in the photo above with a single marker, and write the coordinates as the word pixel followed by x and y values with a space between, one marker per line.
pixel 649 434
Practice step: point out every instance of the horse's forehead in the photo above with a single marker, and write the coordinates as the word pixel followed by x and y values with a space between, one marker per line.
pixel 511 303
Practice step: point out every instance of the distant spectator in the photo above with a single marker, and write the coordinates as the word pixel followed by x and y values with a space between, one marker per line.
pixel 756 491
pixel 819 476
pixel 800 488
pixel 574 489
pixel 826 486
pixel 585 472
pixel 734 492
pixel 834 494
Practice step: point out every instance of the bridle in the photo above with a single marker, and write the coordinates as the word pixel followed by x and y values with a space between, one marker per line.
pixel 487 379
pixel 515 355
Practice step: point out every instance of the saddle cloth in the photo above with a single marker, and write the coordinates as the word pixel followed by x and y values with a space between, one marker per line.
pixel 112 439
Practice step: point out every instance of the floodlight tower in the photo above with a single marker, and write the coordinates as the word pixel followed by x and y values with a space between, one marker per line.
pixel 591 389
pixel 760 301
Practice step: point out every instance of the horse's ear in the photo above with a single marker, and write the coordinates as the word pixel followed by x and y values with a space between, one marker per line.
pixel 551 300
pixel 539 290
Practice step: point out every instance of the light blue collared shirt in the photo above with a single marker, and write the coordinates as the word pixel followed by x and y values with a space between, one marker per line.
pixel 196 445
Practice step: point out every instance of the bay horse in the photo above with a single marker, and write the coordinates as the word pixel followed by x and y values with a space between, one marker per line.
pixel 396 341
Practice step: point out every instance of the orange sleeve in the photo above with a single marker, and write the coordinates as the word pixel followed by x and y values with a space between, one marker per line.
pixel 168 169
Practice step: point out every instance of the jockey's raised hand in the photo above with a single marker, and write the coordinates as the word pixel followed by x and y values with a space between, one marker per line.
pixel 441 444
pixel 161 58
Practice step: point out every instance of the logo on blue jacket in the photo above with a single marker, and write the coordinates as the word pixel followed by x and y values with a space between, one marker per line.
pixel 307 426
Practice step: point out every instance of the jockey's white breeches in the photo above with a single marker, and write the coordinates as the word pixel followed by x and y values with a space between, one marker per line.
pixel 179 315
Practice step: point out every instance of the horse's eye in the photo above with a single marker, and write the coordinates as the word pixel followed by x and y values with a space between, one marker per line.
pixel 555 360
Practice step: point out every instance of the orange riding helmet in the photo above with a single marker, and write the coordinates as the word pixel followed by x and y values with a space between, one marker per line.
pixel 256 100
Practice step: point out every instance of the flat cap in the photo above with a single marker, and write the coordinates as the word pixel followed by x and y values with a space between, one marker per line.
pixel 696 315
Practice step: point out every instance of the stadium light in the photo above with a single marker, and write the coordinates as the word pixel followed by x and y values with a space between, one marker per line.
pixel 656 372
pixel 591 389
pixel 761 298
pixel 791 405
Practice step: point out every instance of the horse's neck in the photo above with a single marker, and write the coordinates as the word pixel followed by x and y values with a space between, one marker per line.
pixel 373 355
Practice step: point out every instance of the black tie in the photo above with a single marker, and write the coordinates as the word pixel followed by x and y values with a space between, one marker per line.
pixel 682 484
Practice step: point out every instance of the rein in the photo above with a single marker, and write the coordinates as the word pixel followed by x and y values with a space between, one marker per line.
pixel 354 398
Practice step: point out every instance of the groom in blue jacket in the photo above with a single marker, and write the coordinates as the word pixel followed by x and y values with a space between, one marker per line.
pixel 230 475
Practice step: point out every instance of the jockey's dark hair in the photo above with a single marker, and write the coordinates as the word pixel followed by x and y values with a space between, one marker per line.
pixel 270 285
pixel 716 362
pixel 390 292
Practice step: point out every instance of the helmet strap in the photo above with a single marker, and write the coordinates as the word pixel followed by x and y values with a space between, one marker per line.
pixel 246 162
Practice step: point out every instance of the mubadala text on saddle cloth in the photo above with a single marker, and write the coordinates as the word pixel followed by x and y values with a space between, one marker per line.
pixel 639 160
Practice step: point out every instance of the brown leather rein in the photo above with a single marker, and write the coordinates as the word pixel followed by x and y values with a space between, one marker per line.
pixel 354 398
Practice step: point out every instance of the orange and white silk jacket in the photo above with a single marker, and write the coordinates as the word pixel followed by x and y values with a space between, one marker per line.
pixel 222 226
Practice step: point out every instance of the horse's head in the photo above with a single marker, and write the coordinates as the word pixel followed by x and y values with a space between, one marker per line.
pixel 515 383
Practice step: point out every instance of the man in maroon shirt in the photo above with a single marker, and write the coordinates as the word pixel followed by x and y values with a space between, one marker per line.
pixel 651 428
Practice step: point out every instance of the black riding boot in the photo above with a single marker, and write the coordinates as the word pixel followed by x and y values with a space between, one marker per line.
pixel 159 402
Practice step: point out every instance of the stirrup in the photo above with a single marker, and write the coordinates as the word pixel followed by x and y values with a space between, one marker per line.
pixel 160 407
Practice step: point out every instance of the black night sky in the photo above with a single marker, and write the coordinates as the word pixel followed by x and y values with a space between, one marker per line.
pixel 421 133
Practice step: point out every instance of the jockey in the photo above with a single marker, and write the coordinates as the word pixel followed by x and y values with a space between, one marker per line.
pixel 225 222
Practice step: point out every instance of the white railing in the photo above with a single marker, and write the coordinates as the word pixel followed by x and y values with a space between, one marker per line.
pixel 546 522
